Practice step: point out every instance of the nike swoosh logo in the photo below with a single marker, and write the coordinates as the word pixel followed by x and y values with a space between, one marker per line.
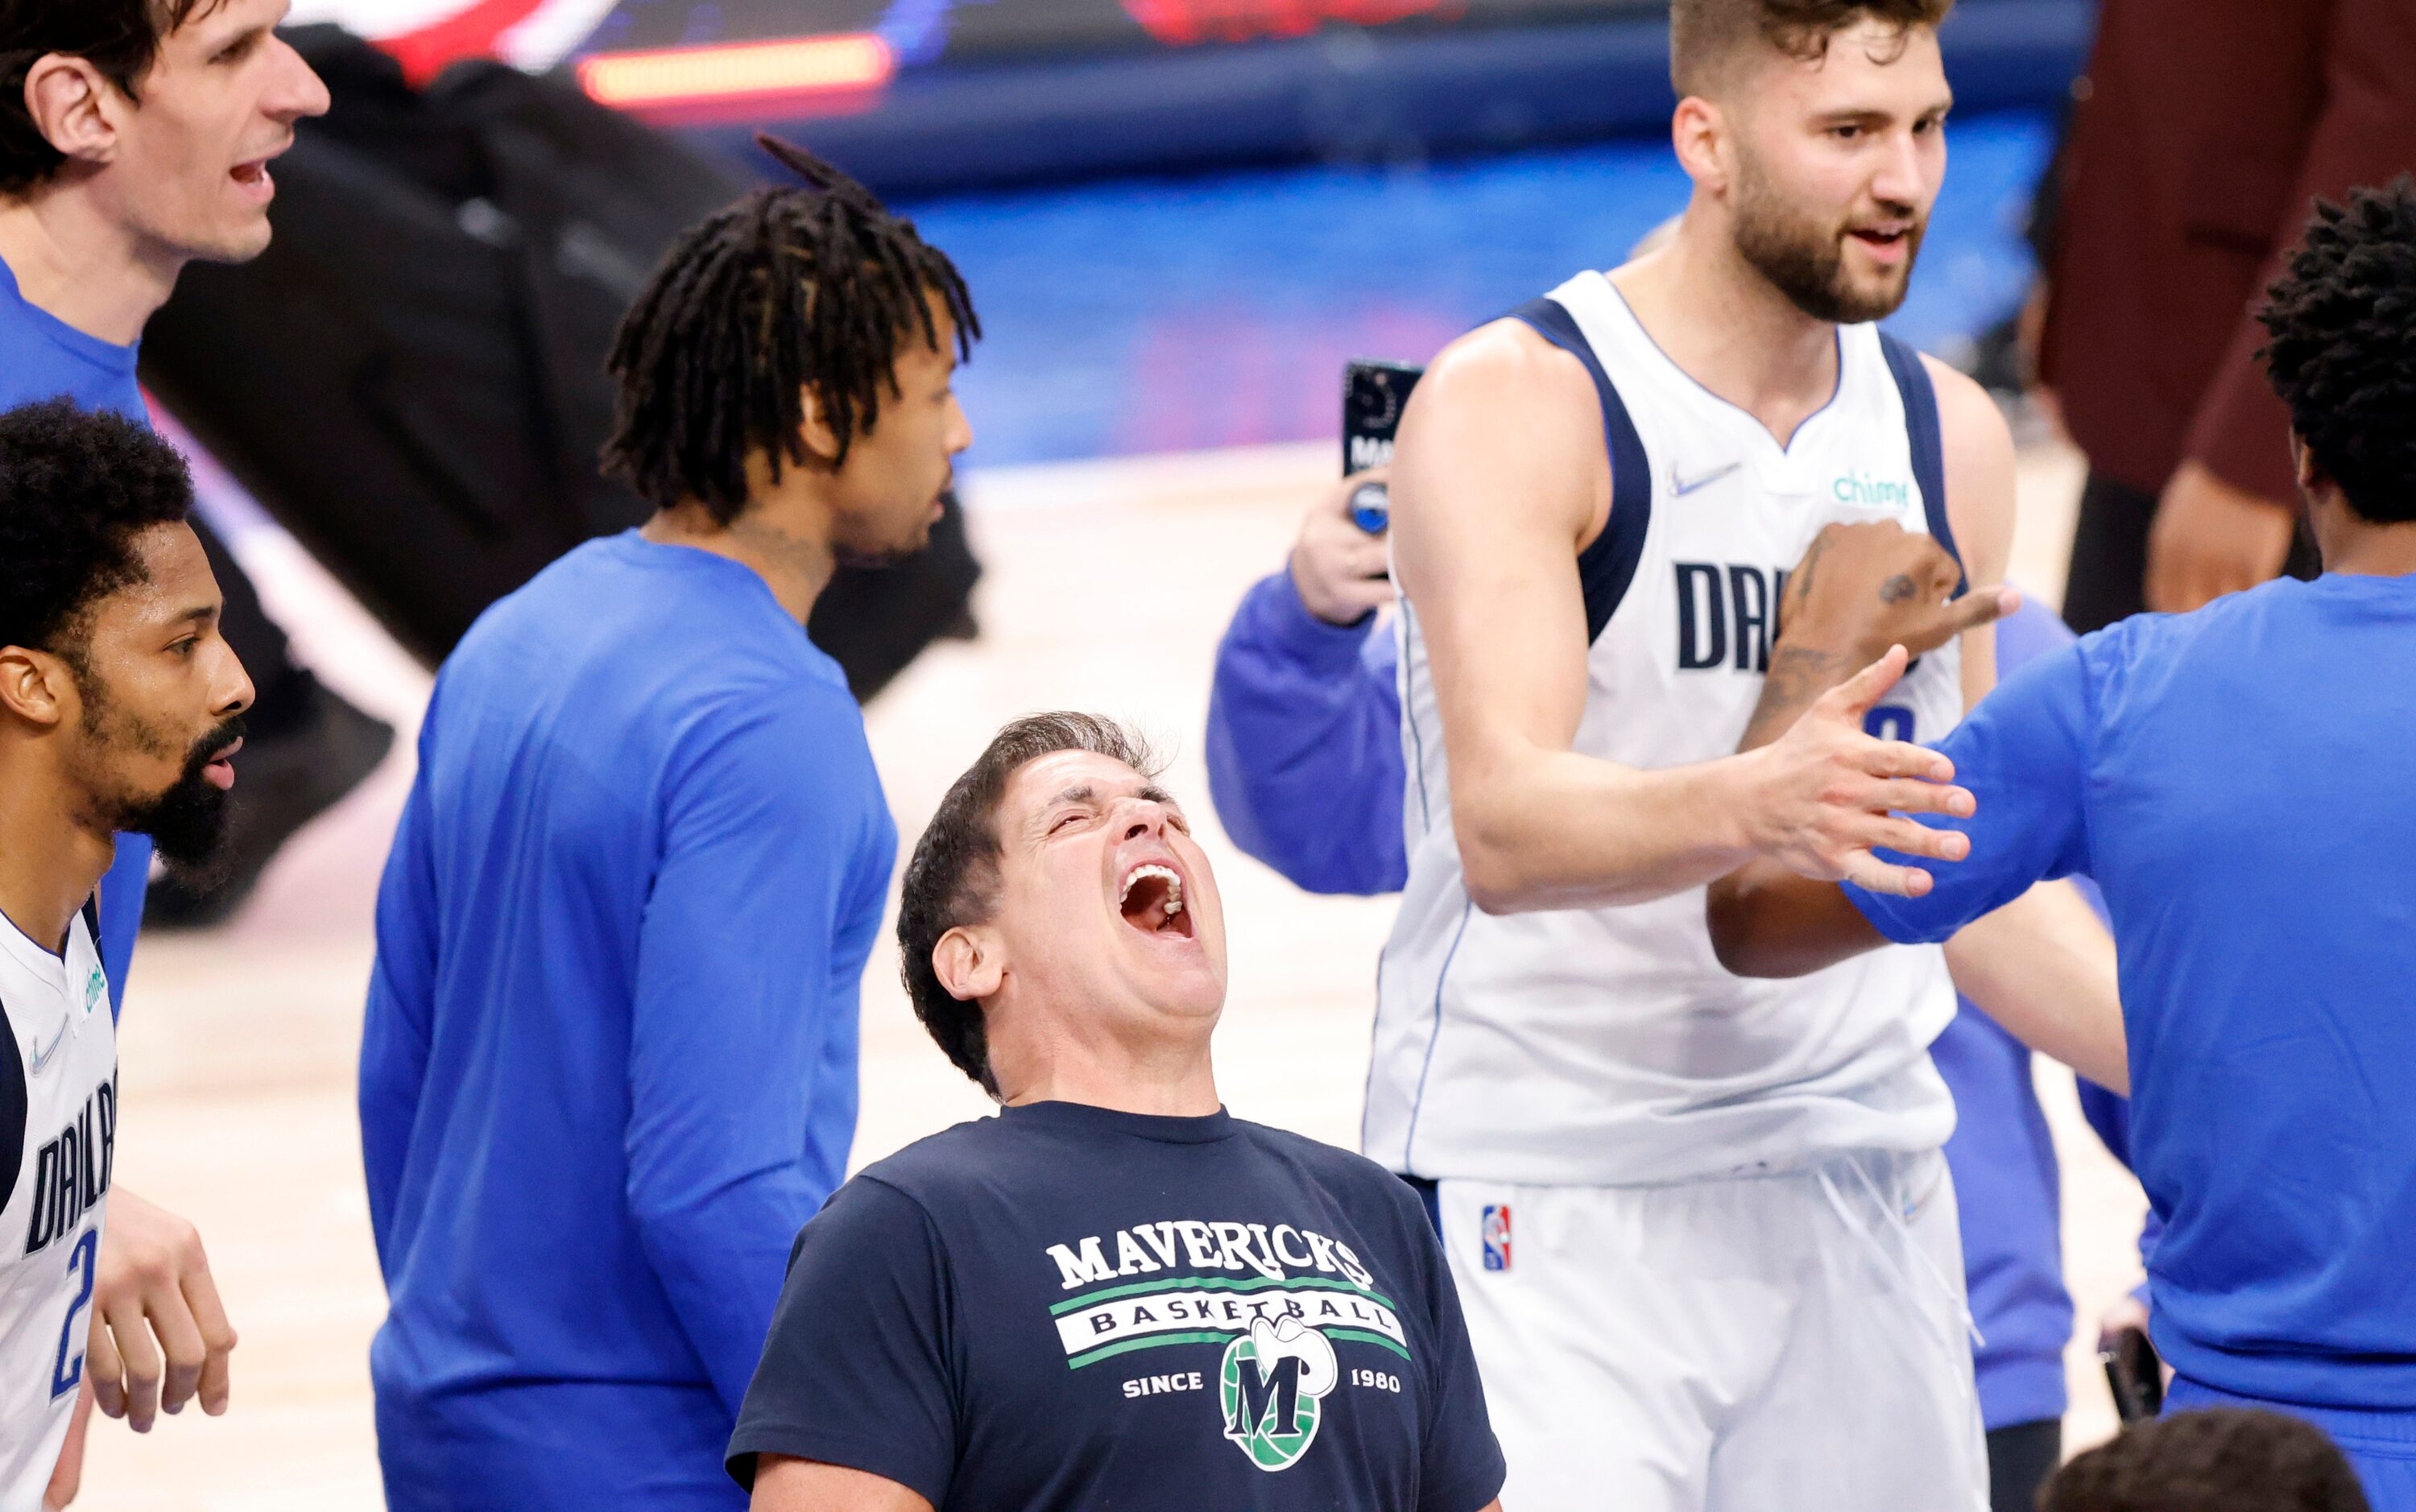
pixel 1680 488
pixel 43 1057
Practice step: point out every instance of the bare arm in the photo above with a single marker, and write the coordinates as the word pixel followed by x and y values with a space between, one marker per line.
pixel 2042 967
pixel 1498 483
pixel 786 1485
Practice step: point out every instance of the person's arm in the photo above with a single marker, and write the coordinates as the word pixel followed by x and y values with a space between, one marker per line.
pixel 1304 721
pixel 2020 754
pixel 2224 521
pixel 2042 967
pixel 396 1026
pixel 762 821
pixel 1499 479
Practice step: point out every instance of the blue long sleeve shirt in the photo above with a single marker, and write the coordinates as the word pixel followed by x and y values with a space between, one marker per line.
pixel 43 357
pixel 2265 950
pixel 1305 765
pixel 609 1067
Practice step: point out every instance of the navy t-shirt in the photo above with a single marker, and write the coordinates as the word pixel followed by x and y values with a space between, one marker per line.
pixel 1069 1307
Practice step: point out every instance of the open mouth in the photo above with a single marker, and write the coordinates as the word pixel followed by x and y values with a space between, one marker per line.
pixel 1887 241
pixel 1151 901
pixel 219 772
pixel 254 176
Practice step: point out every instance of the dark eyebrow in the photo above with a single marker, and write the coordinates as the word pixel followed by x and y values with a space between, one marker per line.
pixel 198 614
pixel 1158 795
pixel 248 38
pixel 1083 794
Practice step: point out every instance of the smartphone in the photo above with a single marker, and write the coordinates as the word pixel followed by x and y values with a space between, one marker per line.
pixel 1373 394
pixel 2135 1374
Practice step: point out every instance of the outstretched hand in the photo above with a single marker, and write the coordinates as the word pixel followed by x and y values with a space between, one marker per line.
pixel 1832 795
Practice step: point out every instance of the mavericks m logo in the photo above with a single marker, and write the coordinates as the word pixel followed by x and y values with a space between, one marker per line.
pixel 1273 1387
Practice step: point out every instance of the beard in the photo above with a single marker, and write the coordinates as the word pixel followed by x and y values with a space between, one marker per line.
pixel 872 542
pixel 186 822
pixel 1806 259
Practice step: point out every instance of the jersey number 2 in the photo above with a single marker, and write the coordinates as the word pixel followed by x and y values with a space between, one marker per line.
pixel 1888 722
pixel 69 1373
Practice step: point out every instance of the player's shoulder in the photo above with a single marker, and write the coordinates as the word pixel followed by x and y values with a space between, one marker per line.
pixel 1969 424
pixel 1507 349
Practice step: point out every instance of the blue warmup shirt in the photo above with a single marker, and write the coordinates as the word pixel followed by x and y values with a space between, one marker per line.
pixel 43 357
pixel 1066 1309
pixel 2233 779
pixel 608 1066
pixel 1305 765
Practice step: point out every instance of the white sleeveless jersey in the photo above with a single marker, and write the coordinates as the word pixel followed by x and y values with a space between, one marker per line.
pixel 1607 1047
pixel 58 1129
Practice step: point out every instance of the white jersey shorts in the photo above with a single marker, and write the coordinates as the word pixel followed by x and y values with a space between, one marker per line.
pixel 1781 1343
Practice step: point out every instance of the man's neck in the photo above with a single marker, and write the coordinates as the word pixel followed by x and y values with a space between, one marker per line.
pixel 50 862
pixel 75 263
pixel 794 559
pixel 1168 1077
pixel 2364 548
pixel 1730 329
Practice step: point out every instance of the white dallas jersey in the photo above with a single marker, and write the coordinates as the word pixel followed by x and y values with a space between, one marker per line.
pixel 1607 1047
pixel 58 1129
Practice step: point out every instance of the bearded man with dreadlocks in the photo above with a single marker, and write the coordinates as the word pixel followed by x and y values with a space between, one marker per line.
pixel 609 1063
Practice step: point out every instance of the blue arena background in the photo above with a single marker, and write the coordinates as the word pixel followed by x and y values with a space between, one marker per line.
pixel 1178 236
pixel 1218 310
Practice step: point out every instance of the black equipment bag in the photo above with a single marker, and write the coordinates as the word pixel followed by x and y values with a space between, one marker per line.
pixel 411 379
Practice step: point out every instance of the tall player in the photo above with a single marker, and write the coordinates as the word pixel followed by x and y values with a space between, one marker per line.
pixel 119 708
pixel 1704 1235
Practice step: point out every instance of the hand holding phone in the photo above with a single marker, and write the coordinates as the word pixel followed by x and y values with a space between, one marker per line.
pixel 1373 396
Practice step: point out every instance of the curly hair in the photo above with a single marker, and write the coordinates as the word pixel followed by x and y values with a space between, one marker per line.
pixel 953 878
pixel 1705 36
pixel 2223 1460
pixel 120 38
pixel 789 289
pixel 2341 322
pixel 76 487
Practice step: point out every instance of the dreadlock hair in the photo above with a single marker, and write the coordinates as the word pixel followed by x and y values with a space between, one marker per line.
pixel 1707 37
pixel 120 38
pixel 790 289
pixel 2342 354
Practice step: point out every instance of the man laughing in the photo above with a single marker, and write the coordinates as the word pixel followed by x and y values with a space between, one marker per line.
pixel 1114 1293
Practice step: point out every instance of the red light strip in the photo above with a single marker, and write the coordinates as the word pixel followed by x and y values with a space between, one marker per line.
pixel 738 71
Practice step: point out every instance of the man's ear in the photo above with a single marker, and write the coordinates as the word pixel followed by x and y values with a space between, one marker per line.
pixel 1700 132
pixel 820 441
pixel 2315 485
pixel 33 687
pixel 75 108
pixel 971 963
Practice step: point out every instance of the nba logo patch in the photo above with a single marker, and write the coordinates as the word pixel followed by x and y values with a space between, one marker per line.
pixel 1496 1232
